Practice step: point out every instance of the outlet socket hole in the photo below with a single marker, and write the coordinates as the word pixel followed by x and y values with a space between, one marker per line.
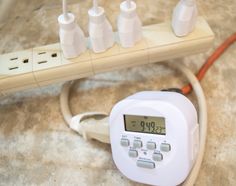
pixel 40 53
pixel 12 59
pixel 54 55
pixel 25 60
pixel 41 62
pixel 13 68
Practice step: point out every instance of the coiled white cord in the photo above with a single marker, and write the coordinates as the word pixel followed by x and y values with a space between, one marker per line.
pixel 64 101
pixel 202 122
pixel 65 109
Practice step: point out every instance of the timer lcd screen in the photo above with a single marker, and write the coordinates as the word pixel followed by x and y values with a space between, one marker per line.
pixel 145 124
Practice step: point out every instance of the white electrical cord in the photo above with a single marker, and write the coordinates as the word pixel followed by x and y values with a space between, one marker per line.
pixel 91 128
pixel 72 39
pixel 64 7
pixel 95 6
pixel 65 109
pixel 202 122
pixel 64 101
pixel 128 2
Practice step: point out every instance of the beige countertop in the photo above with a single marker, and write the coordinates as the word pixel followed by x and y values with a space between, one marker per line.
pixel 37 148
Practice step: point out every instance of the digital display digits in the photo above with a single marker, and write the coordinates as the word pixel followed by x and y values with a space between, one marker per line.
pixel 145 124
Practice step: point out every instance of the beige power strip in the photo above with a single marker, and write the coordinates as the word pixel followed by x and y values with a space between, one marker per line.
pixel 46 65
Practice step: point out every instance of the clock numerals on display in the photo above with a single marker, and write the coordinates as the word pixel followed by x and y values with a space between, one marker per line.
pixel 148 126
pixel 144 124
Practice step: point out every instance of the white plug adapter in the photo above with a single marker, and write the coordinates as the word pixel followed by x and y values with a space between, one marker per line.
pixel 100 30
pixel 129 24
pixel 184 17
pixel 72 38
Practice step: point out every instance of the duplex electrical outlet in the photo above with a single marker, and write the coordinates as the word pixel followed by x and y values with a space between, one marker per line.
pixel 16 71
pixel 46 57
pixel 49 65
pixel 16 63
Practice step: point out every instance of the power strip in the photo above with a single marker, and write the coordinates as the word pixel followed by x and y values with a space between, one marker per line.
pixel 46 65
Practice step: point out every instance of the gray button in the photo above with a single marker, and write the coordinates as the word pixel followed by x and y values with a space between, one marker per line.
pixel 165 147
pixel 157 157
pixel 137 144
pixel 151 145
pixel 124 142
pixel 145 164
pixel 133 153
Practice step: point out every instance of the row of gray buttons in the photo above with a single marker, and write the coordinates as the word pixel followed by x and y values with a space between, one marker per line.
pixel 165 147
pixel 155 156
pixel 136 144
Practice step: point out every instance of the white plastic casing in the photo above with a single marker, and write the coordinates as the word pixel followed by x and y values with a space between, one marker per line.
pixel 72 38
pixel 100 31
pixel 129 25
pixel 184 17
pixel 181 134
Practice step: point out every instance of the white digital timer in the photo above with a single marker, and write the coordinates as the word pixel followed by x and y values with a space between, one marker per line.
pixel 154 137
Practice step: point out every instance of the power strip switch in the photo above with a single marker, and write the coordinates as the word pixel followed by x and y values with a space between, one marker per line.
pixel 129 24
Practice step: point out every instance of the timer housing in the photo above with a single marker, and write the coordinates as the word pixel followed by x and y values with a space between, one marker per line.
pixel 165 157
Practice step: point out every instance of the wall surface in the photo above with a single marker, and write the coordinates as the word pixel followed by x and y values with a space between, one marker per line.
pixel 36 146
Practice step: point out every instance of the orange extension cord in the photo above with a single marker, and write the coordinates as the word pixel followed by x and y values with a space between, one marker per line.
pixel 210 61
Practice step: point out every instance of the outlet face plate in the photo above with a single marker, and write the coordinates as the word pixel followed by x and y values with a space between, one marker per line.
pixel 16 63
pixel 46 65
pixel 16 72
pixel 46 57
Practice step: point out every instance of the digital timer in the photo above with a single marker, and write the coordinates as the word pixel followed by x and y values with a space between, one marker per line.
pixel 154 137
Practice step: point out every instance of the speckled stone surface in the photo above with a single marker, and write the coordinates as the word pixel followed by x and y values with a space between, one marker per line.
pixel 36 146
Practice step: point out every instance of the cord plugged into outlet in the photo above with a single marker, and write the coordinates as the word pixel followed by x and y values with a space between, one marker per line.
pixel 184 17
pixel 129 24
pixel 72 38
pixel 100 29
